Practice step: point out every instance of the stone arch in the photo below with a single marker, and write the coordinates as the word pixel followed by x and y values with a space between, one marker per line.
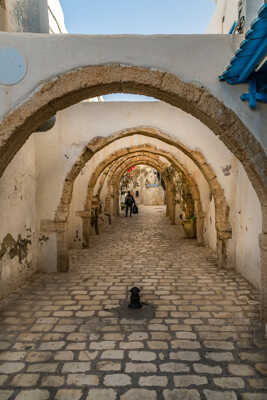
pixel 109 170
pixel 178 166
pixel 221 207
pixel 86 213
pixel 115 178
pixel 70 87
pixel 170 193
pixel 73 86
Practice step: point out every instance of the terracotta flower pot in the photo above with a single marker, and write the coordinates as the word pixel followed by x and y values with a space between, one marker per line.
pixel 189 226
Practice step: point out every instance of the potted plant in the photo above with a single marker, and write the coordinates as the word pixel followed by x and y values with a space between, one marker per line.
pixel 189 225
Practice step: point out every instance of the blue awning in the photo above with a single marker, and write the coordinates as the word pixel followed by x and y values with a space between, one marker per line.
pixel 251 52
pixel 243 66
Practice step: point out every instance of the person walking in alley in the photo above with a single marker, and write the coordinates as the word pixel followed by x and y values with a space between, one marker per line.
pixel 129 202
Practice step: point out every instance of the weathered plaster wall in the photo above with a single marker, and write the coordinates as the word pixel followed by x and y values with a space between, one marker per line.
pixel 77 125
pixel 226 13
pixel 26 16
pixel 246 220
pixel 18 234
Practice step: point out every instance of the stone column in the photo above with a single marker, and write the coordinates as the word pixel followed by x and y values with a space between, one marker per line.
pixel 173 205
pixel 60 228
pixel 115 199
pixel 200 218
pixel 167 200
pixel 222 237
pixel 62 252
pixel 86 219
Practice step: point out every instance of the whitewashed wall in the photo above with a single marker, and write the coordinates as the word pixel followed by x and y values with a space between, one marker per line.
pixel 18 230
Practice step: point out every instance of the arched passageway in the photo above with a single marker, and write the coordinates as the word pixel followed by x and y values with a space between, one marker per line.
pixel 76 85
pixel 221 207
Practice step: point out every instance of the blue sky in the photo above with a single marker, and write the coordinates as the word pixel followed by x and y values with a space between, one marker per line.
pixel 147 17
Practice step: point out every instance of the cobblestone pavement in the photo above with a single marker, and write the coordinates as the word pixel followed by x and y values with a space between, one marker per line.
pixel 72 336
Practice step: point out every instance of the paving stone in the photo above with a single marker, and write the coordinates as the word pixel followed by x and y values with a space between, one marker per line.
pixel 140 367
pixel 88 355
pixel 186 335
pixel 229 383
pixel 207 369
pixel 112 354
pixel 213 395
pixel 82 379
pixel 185 344
pixel 157 327
pixel 157 345
pixel 113 336
pixel 160 336
pixel 38 356
pixel 220 356
pixel 84 314
pixel 101 394
pixel 33 394
pixel 117 380
pixel 11 368
pixel 5 394
pixel 262 368
pixel 51 337
pixel 77 337
pixel 102 345
pixel 53 380
pixel 63 356
pixel 52 345
pixel 154 380
pixel 254 357
pixel 12 355
pixel 3 378
pixel 139 394
pixel 142 355
pixel 181 394
pixel 131 345
pixel 185 356
pixel 188 380
pixel 76 346
pixel 173 367
pixel 44 367
pixel 241 370
pixel 4 345
pixel 258 383
pixel 68 394
pixel 137 336
pixel 76 367
pixel 25 380
pixel 220 345
pixel 108 366
pixel 253 396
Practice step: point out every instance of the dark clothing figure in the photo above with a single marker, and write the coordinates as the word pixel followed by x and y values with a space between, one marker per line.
pixel 135 298
pixel 129 202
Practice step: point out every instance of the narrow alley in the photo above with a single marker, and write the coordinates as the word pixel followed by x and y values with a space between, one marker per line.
pixel 72 336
